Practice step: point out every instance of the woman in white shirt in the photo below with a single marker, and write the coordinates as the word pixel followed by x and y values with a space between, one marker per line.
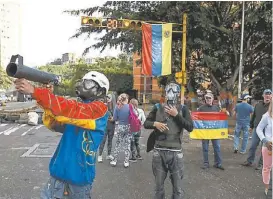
pixel 264 131
pixel 136 135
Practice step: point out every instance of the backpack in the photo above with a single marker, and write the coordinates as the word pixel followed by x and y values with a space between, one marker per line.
pixel 134 122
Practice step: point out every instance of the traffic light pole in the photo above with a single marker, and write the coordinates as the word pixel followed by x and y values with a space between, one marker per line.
pixel 181 77
pixel 184 78
pixel 144 93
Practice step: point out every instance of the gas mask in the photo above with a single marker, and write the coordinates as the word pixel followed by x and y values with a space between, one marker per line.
pixel 172 92
pixel 92 86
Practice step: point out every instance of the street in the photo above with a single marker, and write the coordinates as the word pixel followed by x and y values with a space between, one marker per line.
pixel 25 152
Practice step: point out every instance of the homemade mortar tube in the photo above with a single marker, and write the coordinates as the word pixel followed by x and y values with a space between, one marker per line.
pixel 18 70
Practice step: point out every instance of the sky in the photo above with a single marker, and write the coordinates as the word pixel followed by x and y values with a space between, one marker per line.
pixel 46 30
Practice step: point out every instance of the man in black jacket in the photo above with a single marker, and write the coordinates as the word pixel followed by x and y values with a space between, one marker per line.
pixel 259 110
pixel 168 121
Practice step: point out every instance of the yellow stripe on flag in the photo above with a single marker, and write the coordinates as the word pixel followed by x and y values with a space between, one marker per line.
pixel 166 49
pixel 208 134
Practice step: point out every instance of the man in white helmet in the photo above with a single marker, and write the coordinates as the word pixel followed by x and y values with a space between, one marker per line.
pixel 72 168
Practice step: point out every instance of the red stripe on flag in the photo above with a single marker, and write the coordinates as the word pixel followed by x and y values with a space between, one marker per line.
pixel 209 116
pixel 147 49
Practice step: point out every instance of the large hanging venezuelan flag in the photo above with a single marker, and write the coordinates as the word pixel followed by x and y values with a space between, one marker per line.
pixel 209 125
pixel 156 49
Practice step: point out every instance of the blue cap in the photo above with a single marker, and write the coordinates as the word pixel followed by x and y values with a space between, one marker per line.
pixel 245 96
pixel 267 91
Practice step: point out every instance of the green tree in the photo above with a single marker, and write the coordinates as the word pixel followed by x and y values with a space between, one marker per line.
pixel 5 80
pixel 211 31
pixel 219 39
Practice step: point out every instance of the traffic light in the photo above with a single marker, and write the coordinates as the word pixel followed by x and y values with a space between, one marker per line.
pixel 178 77
pixel 131 24
pixel 181 77
pixel 91 21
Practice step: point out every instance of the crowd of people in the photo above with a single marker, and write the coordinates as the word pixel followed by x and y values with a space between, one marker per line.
pixel 86 126
pixel 257 120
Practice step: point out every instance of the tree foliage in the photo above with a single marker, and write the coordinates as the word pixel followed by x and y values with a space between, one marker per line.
pixel 213 34
pixel 5 80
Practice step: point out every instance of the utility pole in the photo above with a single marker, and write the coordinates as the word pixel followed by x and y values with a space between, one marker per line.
pixel 181 77
pixel 241 54
pixel 144 93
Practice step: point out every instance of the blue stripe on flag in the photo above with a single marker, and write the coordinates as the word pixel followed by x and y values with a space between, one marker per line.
pixel 207 124
pixel 156 50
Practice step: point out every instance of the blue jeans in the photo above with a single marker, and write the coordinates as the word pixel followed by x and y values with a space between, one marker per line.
pixel 217 152
pixel 254 144
pixel 244 127
pixel 55 189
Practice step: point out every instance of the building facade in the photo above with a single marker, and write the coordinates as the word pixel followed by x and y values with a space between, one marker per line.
pixel 153 91
pixel 69 58
pixel 90 60
pixel 10 30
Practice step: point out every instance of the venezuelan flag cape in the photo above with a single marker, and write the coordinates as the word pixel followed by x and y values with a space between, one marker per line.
pixel 156 49
pixel 209 125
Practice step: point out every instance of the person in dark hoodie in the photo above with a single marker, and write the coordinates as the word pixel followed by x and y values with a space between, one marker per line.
pixel 260 109
pixel 168 119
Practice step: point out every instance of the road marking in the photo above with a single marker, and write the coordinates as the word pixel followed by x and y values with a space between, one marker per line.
pixel 38 127
pixel 31 149
pixel 28 131
pixel 21 148
pixel 3 124
pixel 6 130
pixel 14 129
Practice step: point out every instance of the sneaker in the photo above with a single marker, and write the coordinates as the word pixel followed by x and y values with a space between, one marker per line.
pixel 133 160
pixel 247 164
pixel 266 191
pixel 113 163
pixel 259 167
pixel 126 164
pixel 219 167
pixel 235 150
pixel 205 166
pixel 109 157
pixel 139 157
pixel 242 152
pixel 100 158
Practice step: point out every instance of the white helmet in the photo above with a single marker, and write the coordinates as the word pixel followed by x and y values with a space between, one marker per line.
pixel 100 78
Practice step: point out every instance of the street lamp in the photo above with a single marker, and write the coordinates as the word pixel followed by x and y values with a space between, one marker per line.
pixel 241 54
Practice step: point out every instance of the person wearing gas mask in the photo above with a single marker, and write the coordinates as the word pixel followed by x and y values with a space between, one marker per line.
pixel 209 107
pixel 168 119
pixel 260 109
pixel 110 130
pixel 72 167
pixel 242 111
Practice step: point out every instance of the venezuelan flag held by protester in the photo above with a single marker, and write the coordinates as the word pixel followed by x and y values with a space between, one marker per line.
pixel 209 125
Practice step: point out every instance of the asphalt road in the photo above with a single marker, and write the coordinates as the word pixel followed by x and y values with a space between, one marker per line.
pixel 25 152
